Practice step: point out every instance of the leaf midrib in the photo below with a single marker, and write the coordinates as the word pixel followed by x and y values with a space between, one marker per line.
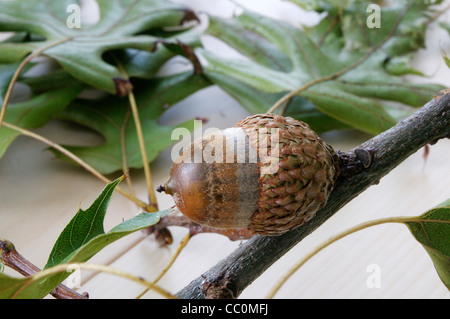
pixel 95 218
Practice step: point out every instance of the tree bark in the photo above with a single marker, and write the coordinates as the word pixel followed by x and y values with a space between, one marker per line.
pixel 373 159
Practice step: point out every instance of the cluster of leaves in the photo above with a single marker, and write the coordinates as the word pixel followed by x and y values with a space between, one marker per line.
pixel 353 68
pixel 283 58
pixel 117 52
pixel 120 52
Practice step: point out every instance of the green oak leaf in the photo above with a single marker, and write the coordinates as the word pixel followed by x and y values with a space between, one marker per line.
pixel 6 74
pixel 112 119
pixel 283 58
pixel 432 230
pixel 124 28
pixel 80 240
pixel 256 101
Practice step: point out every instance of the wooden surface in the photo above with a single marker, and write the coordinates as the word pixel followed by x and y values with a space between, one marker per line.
pixel 39 195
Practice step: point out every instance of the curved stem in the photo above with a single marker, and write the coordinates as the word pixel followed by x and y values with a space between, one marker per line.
pixel 79 161
pixel 145 162
pixel 333 76
pixel 332 240
pixel 181 246
pixel 10 257
pixel 148 175
pixel 294 93
pixel 124 152
pixel 19 70
pixel 64 267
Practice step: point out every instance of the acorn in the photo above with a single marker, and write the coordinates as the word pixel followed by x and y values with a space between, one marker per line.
pixel 268 174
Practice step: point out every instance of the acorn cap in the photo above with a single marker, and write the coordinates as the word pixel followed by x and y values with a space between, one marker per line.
pixel 297 172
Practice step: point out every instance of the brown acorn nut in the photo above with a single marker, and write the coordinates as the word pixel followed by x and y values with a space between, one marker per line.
pixel 269 174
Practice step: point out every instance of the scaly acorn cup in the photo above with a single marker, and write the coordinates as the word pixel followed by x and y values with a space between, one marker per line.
pixel 269 174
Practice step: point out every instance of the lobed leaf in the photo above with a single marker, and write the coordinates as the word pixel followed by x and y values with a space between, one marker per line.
pixel 111 118
pixel 280 58
pixel 122 26
pixel 256 101
pixel 125 35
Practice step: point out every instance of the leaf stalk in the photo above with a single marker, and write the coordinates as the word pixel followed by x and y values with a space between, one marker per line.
pixel 332 240
pixel 79 161
pixel 20 69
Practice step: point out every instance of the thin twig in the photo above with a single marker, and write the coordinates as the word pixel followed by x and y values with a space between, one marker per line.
pixel 327 31
pixel 11 258
pixel 140 134
pixel 332 240
pixel 335 75
pixel 101 268
pixel 79 161
pixel 19 70
pixel 195 229
pixel 180 247
pixel 125 169
pixel 148 208
pixel 145 162
pixel 438 14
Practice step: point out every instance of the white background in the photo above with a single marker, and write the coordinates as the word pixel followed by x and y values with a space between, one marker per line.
pixel 39 195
